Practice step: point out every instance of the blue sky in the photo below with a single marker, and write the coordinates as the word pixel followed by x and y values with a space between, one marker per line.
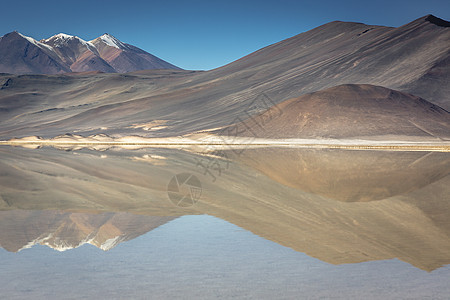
pixel 202 34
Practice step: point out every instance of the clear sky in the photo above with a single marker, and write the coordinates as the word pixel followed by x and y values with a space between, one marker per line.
pixel 197 34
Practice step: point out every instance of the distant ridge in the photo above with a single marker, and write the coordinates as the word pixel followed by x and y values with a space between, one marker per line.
pixel 63 53
pixel 437 21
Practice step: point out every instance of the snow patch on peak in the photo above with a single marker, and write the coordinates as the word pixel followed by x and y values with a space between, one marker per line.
pixel 34 42
pixel 88 45
pixel 61 39
pixel 30 39
pixel 64 36
pixel 112 41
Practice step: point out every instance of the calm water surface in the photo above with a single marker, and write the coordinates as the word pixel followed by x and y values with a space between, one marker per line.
pixel 254 224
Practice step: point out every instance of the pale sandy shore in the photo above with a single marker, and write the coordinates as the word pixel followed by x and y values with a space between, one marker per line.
pixel 213 142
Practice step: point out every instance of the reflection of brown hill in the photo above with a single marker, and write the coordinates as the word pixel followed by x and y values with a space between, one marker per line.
pixel 62 230
pixel 412 226
pixel 351 176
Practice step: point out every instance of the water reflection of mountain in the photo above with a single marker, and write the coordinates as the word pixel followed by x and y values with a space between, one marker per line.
pixel 350 176
pixel 289 197
pixel 63 230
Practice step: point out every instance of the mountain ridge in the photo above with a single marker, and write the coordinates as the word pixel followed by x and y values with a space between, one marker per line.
pixel 66 53
pixel 412 58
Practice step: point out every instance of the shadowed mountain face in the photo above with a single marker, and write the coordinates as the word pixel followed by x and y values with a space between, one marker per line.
pixel 21 55
pixel 296 199
pixel 350 111
pixel 63 53
pixel 437 21
pixel 412 58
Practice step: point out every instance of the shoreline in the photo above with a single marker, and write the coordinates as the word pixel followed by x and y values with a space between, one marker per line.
pixel 224 143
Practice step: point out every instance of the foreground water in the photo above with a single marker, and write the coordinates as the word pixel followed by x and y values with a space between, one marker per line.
pixel 258 223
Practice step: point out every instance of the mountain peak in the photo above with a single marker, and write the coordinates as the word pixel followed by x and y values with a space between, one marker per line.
pixel 33 41
pixel 63 42
pixel 23 36
pixel 111 41
pixel 437 21
pixel 63 36
pixel 13 33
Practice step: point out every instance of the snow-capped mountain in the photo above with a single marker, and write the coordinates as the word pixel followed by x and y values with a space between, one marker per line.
pixel 61 53
pixel 124 57
pixel 112 41
pixel 80 55
pixel 20 54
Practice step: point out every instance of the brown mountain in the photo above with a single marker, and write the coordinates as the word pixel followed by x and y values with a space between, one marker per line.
pixel 124 57
pixel 350 111
pixel 410 59
pixel 81 56
pixel 63 53
pixel 413 58
pixel 20 55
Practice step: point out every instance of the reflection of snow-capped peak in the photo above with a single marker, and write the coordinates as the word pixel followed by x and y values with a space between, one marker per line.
pixel 30 244
pixel 111 243
pixel 62 245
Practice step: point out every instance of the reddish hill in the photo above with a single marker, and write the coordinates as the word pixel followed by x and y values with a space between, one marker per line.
pixel 351 111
